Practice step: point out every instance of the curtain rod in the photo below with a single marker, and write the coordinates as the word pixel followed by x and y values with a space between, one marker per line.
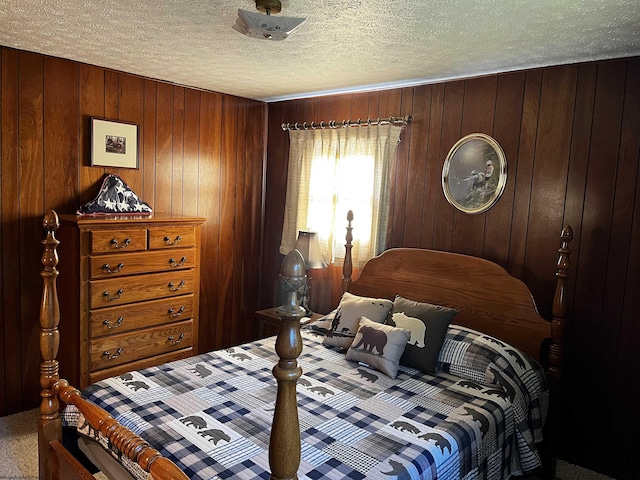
pixel 369 122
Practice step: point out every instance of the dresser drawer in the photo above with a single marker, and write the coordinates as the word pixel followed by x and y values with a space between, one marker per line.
pixel 115 350
pixel 112 320
pixel 117 264
pixel 131 240
pixel 140 364
pixel 171 236
pixel 137 288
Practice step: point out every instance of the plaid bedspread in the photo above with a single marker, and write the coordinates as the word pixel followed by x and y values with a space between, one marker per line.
pixel 211 414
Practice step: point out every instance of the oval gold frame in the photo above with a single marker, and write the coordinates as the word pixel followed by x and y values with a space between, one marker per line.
pixel 469 181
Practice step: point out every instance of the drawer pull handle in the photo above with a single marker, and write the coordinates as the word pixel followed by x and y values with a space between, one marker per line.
pixel 107 295
pixel 174 288
pixel 125 244
pixel 172 341
pixel 107 268
pixel 168 241
pixel 173 263
pixel 107 323
pixel 173 313
pixel 109 356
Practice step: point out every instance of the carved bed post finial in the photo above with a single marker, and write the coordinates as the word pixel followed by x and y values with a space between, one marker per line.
pixel 49 423
pixel 347 266
pixel 559 308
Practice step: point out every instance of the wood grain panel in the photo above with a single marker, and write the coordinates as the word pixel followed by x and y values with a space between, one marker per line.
pixel 177 174
pixel 239 221
pixel 621 332
pixel 359 106
pixel 3 405
pixel 417 168
pixel 209 207
pixel 253 226
pixel 435 161
pixel 451 125
pixel 626 393
pixel 91 105
pixel 226 234
pixel 148 145
pixel 191 148
pixel 164 148
pixel 401 222
pixel 111 97
pixel 131 109
pixel 477 116
pixel 60 138
pixel 239 178
pixel 31 204
pixel 526 155
pixel 506 130
pixel 622 115
pixel 10 325
pixel 276 177
pixel 548 182
pixel 579 159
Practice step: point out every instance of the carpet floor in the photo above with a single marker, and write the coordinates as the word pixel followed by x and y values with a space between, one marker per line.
pixel 19 452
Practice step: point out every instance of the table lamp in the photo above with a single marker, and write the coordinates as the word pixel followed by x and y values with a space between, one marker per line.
pixel 309 246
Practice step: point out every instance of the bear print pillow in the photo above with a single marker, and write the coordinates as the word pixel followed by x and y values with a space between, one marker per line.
pixel 428 326
pixel 379 346
pixel 341 324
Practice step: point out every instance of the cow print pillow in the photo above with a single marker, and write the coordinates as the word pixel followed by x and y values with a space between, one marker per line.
pixel 379 346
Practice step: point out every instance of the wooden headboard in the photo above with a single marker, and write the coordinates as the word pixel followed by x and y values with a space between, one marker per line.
pixel 487 297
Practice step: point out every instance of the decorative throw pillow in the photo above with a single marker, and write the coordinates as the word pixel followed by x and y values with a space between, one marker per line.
pixel 345 319
pixel 428 326
pixel 115 196
pixel 379 346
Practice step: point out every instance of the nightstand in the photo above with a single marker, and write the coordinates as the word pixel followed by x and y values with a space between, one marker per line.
pixel 269 321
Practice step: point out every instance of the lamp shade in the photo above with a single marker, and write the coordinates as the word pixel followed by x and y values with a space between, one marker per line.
pixel 309 246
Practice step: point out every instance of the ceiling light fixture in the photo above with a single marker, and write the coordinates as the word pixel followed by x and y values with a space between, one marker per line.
pixel 263 25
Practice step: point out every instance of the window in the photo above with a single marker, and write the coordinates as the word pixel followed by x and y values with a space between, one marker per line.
pixel 332 171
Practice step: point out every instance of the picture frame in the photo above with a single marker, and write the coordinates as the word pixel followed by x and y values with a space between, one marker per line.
pixel 114 143
pixel 474 173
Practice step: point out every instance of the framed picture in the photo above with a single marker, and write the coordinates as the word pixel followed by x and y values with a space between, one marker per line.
pixel 474 173
pixel 114 144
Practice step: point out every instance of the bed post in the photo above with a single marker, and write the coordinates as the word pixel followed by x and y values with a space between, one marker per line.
pixel 49 422
pixel 347 266
pixel 556 354
pixel 559 307
pixel 284 442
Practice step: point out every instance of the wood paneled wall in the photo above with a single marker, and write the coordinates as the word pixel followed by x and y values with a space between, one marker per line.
pixel 571 135
pixel 201 153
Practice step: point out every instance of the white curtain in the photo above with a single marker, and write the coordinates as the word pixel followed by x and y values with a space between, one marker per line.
pixel 332 171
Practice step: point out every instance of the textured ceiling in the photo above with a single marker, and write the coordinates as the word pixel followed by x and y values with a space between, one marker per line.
pixel 344 45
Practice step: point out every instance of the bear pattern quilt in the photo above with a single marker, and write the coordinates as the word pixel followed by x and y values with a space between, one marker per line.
pixel 211 414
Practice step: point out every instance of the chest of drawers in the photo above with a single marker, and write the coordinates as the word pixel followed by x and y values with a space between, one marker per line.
pixel 129 289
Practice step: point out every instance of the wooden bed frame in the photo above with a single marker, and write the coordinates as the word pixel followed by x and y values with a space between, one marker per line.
pixel 487 297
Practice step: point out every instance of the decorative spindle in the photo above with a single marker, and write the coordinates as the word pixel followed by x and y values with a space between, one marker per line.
pixel 559 307
pixel 347 266
pixel 49 423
